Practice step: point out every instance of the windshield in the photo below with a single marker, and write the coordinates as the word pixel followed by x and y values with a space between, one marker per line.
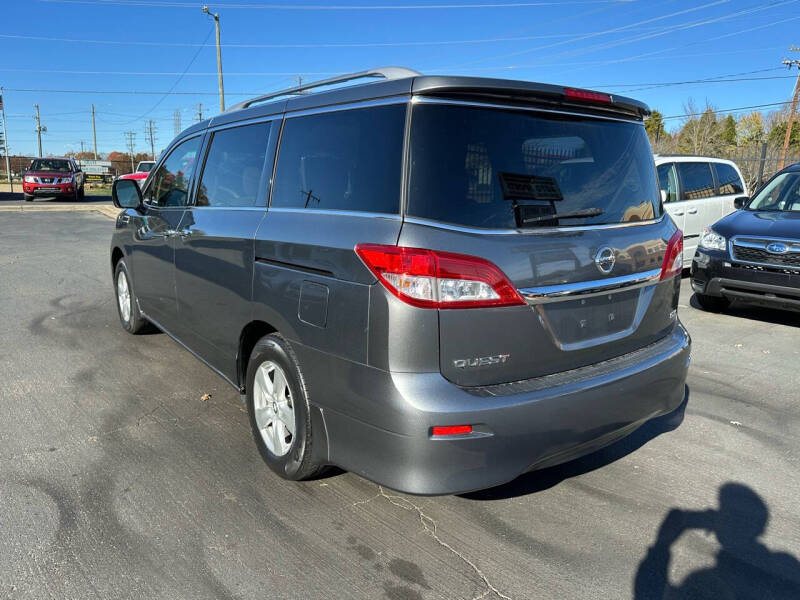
pixel 780 194
pixel 50 164
pixel 144 167
pixel 484 167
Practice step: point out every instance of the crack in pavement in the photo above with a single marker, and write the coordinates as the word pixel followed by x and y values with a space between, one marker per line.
pixel 430 527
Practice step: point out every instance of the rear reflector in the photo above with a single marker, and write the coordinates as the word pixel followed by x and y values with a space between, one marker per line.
pixel 673 257
pixel 587 96
pixel 434 279
pixel 452 430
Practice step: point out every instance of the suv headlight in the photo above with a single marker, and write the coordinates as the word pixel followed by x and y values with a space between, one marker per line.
pixel 711 240
pixel 30 179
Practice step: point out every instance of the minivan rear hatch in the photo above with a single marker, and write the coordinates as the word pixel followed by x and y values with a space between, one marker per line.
pixel 566 204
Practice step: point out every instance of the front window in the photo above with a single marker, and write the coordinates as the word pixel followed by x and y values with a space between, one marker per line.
pixel 492 168
pixel 780 194
pixel 50 164
pixel 170 186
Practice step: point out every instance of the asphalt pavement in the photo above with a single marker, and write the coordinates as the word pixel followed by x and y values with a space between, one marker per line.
pixel 127 470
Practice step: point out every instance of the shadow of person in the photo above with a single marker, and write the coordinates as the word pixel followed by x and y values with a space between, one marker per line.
pixel 745 568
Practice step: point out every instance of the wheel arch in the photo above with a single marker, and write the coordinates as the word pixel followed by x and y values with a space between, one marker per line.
pixel 251 333
pixel 116 256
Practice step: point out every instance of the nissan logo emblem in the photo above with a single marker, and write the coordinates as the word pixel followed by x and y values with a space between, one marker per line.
pixel 604 260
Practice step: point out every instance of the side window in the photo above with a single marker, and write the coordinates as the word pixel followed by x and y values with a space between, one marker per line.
pixel 696 180
pixel 729 180
pixel 668 182
pixel 344 160
pixel 233 167
pixel 170 185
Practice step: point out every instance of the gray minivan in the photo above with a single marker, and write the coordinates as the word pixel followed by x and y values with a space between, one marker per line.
pixel 438 283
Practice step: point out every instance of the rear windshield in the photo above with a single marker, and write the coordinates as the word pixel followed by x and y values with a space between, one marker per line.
pixel 492 168
pixel 49 164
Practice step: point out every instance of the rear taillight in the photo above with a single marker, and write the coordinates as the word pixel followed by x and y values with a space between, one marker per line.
pixel 587 96
pixel 673 257
pixel 434 279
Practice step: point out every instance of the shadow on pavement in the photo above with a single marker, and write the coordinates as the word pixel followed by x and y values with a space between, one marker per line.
pixel 17 199
pixel 774 316
pixel 744 568
pixel 540 480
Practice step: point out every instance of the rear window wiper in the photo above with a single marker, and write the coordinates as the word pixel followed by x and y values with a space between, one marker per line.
pixel 576 214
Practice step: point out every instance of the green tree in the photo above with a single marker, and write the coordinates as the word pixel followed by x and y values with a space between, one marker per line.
pixel 777 135
pixel 700 134
pixel 654 125
pixel 728 131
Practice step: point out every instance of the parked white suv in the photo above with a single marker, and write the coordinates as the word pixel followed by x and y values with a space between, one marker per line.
pixel 697 192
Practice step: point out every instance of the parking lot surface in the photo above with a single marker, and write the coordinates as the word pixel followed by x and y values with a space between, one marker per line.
pixel 127 470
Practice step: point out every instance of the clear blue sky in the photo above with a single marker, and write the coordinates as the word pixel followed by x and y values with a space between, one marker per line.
pixel 145 45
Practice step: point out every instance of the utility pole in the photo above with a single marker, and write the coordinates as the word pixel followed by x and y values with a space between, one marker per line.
pixel 130 135
pixel 94 134
pixel 219 59
pixel 200 112
pixel 176 122
pixel 5 141
pixel 83 144
pixel 149 132
pixel 790 63
pixel 39 128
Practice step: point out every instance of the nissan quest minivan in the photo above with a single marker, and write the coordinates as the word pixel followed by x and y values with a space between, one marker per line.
pixel 438 283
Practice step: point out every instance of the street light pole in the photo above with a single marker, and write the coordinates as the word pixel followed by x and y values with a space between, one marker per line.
pixel 219 59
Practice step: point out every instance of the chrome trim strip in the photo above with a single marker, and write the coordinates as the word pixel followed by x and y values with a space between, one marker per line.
pixel 429 100
pixel 402 99
pixel 531 231
pixel 337 213
pixel 586 289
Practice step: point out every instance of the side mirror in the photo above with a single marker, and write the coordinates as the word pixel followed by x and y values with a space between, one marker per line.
pixel 740 202
pixel 125 193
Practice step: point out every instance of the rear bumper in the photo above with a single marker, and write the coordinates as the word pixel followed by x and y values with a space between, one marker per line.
pixel 518 427
pixel 714 274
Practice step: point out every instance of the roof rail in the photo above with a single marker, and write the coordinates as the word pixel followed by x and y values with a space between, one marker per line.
pixel 381 72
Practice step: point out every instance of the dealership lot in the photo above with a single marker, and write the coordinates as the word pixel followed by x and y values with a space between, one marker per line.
pixel 127 471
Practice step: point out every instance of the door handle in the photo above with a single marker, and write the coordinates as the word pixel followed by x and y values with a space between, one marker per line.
pixel 185 233
pixel 679 214
pixel 692 211
pixel 170 233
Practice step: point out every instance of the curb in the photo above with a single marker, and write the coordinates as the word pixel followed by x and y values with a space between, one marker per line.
pixel 109 211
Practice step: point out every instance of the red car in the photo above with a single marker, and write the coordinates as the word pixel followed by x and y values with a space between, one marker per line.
pixel 142 171
pixel 60 177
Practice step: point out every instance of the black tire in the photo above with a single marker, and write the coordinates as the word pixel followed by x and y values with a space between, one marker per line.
pixel 27 197
pixel 135 323
pixel 297 463
pixel 712 303
pixel 82 194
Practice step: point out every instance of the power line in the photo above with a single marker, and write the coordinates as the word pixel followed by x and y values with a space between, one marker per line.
pixel 600 33
pixel 293 44
pixel 727 110
pixel 334 7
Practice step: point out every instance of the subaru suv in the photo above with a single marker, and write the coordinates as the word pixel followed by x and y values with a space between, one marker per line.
pixel 438 283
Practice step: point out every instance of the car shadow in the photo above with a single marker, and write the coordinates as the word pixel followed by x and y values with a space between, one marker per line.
pixel 773 316
pixel 744 567
pixel 543 479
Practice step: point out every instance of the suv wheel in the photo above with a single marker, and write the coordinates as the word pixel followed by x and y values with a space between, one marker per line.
pixel 712 303
pixel 82 194
pixel 278 407
pixel 127 307
pixel 27 197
